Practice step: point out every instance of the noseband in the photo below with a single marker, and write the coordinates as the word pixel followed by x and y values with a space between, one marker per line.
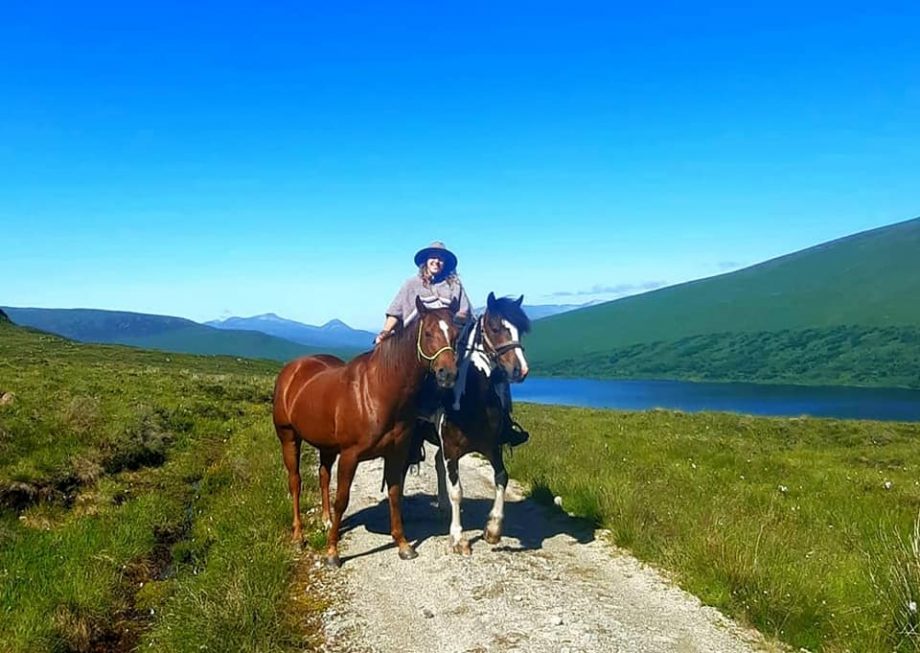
pixel 423 355
pixel 497 351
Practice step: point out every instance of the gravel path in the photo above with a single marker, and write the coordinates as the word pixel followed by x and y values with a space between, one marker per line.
pixel 551 585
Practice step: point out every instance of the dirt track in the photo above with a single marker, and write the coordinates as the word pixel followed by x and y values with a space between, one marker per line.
pixel 551 585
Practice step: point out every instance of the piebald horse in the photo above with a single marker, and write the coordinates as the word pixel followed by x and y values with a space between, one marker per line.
pixel 360 410
pixel 493 347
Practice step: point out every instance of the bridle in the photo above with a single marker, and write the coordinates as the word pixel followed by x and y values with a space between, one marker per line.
pixel 418 347
pixel 497 351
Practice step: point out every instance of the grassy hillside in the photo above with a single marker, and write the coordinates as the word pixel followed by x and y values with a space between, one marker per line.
pixel 162 332
pixel 869 280
pixel 142 502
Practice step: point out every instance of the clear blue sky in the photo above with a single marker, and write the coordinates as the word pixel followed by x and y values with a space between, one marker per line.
pixel 204 159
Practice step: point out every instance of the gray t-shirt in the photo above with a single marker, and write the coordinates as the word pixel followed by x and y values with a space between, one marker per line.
pixel 436 295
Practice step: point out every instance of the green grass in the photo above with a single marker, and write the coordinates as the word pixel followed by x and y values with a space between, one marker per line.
pixel 783 523
pixel 142 502
pixel 866 281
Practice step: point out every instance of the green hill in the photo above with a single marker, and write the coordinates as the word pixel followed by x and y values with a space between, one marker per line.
pixel 161 332
pixel 856 295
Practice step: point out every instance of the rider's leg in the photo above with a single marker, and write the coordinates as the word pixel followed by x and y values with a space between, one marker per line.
pixel 512 433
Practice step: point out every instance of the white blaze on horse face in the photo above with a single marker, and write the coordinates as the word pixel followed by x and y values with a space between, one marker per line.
pixel 515 336
pixel 444 328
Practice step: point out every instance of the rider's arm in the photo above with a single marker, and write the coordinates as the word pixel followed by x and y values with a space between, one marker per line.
pixel 388 326
pixel 465 310
pixel 396 313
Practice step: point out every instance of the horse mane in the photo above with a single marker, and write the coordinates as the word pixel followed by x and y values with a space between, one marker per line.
pixel 392 352
pixel 510 310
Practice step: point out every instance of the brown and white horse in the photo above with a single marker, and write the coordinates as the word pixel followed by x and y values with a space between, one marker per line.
pixel 360 410
pixel 493 348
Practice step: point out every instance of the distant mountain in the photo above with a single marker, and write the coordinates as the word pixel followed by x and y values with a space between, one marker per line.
pixel 843 312
pixel 163 332
pixel 334 333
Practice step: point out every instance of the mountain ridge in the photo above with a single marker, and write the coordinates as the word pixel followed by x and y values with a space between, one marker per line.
pixel 868 280
pixel 162 332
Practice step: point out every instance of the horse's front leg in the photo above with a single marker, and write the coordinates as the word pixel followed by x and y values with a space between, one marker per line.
pixel 493 533
pixel 441 472
pixel 326 460
pixel 348 464
pixel 394 468
pixel 455 492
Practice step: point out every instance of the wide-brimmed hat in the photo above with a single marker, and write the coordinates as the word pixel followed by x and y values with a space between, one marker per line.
pixel 437 248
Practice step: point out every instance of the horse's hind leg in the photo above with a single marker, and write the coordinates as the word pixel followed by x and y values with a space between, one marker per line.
pixel 493 533
pixel 290 452
pixel 326 460
pixel 348 463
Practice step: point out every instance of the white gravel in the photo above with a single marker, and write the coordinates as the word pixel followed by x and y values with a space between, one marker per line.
pixel 551 585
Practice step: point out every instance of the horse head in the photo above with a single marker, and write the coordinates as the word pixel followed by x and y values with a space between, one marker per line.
pixel 437 335
pixel 503 324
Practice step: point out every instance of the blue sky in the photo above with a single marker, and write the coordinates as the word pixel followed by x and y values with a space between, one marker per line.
pixel 228 158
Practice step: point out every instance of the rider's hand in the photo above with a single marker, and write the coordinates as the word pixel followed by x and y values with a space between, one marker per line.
pixel 383 335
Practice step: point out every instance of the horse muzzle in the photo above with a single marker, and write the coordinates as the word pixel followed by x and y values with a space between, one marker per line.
pixel 446 377
pixel 517 374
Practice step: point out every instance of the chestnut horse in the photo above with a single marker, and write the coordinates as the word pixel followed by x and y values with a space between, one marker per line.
pixel 361 410
pixel 493 348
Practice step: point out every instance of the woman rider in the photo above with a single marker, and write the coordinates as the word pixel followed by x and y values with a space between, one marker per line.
pixel 437 285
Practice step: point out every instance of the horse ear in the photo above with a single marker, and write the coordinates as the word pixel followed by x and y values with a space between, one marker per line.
pixel 520 300
pixel 420 305
pixel 491 301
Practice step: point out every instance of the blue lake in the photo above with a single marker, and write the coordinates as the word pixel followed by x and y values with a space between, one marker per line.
pixel 752 399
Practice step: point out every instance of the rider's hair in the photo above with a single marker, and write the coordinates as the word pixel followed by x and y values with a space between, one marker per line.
pixel 452 278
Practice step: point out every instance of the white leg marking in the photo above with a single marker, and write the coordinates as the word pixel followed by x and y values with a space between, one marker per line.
pixel 498 507
pixel 455 491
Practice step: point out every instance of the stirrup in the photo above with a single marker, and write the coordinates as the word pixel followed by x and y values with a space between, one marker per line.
pixel 514 434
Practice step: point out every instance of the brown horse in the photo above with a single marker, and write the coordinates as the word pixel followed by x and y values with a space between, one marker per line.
pixel 361 410
pixel 493 349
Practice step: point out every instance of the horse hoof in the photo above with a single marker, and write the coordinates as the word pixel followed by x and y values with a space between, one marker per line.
pixel 462 547
pixel 492 537
pixel 407 554
pixel 333 562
